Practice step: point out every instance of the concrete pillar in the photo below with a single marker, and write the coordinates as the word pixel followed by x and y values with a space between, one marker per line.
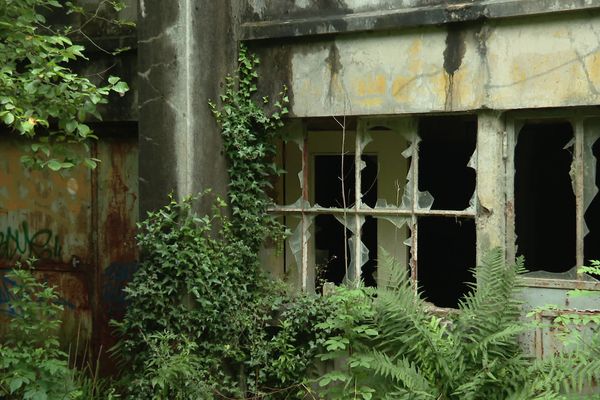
pixel 186 47
pixel 491 182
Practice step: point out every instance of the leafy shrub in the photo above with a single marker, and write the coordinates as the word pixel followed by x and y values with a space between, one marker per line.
pixel 32 366
pixel 193 281
pixel 172 370
pixel 231 329
pixel 401 350
pixel 200 277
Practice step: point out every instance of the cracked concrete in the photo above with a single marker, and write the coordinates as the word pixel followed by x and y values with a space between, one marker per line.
pixel 498 64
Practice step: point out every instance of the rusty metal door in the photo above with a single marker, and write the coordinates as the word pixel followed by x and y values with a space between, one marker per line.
pixel 81 225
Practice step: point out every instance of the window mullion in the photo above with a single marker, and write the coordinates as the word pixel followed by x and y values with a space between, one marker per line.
pixel 512 129
pixel 414 222
pixel 358 200
pixel 305 222
pixel 578 184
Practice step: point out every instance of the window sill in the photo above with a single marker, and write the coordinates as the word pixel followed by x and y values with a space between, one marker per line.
pixel 570 284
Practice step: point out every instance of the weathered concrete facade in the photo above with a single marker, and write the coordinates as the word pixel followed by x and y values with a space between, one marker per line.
pixel 442 111
pixel 524 79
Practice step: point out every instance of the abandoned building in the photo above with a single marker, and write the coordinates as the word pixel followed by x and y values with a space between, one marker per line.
pixel 434 130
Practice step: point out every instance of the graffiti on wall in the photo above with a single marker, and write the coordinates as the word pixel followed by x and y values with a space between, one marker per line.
pixel 19 241
pixel 7 297
pixel 115 278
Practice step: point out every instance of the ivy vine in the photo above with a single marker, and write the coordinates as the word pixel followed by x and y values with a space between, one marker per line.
pixel 200 285
pixel 249 133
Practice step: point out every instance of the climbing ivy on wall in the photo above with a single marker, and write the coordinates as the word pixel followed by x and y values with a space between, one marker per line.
pixel 200 286
pixel 249 134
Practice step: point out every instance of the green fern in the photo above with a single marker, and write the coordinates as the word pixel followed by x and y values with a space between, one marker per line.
pixel 471 355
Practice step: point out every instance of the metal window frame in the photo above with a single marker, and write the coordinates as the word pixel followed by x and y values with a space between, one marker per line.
pixel 515 120
pixel 305 213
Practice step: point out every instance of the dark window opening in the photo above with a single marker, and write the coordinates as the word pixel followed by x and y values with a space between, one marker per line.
pixel 447 144
pixel 446 257
pixel 545 220
pixel 446 247
pixel 591 243
pixel 329 232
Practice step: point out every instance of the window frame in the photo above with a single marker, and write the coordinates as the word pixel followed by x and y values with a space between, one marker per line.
pixel 307 213
pixel 515 120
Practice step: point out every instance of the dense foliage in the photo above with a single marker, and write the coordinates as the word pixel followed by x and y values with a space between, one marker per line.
pixel 249 134
pixel 32 366
pixel 41 97
pixel 200 305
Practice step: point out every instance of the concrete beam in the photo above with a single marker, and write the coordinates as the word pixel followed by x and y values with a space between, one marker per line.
pixel 387 19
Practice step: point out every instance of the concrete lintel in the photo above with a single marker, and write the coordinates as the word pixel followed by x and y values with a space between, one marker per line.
pixel 409 17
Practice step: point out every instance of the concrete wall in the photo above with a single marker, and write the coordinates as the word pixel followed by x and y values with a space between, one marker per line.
pixel 185 50
pixel 543 61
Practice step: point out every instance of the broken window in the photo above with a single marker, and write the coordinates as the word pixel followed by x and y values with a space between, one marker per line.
pixel 398 184
pixel 555 196
pixel 447 245
pixel 544 197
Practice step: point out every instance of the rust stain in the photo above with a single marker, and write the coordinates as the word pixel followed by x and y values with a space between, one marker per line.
pixel 371 102
pixel 401 88
pixel 371 85
pixel 592 63
pixel 120 232
pixel 47 208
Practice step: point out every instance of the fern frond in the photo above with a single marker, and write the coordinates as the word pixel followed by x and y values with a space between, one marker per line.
pixel 405 326
pixel 489 315
pixel 404 375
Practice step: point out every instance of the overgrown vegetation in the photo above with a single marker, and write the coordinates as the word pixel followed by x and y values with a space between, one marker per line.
pixel 205 322
pixel 249 142
pixel 41 97
pixel 32 366
pixel 414 354
pixel 200 285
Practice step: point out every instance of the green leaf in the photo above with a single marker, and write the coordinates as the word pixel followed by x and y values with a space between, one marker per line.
pixel 121 87
pixel 71 126
pixel 54 165
pixel 15 384
pixel 8 118
pixel 90 163
pixel 83 129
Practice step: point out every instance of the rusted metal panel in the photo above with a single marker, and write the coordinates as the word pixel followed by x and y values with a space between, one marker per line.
pixel 117 208
pixel 73 288
pixel 81 225
pixel 43 214
pixel 546 339
pixel 47 215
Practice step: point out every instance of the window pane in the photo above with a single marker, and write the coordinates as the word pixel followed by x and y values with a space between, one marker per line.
pixel 544 199
pixel 330 245
pixel 446 255
pixel 592 182
pixel 446 147
pixel 393 154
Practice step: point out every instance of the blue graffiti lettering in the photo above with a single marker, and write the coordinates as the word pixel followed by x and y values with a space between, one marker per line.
pixel 7 297
pixel 115 278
